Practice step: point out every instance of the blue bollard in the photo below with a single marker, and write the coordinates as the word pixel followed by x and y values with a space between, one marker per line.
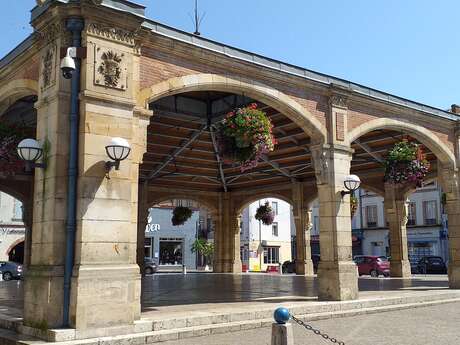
pixel 281 315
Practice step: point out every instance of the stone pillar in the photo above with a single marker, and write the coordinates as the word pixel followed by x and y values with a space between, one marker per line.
pixel 302 219
pixel 43 283
pixel 229 247
pixel 396 214
pixel 105 286
pixel 143 213
pixel 451 187
pixel 337 273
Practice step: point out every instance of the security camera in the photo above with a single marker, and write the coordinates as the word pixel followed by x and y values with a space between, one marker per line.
pixel 68 63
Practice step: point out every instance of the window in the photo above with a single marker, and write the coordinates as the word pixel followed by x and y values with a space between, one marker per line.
pixel 412 214
pixel 271 255
pixel 275 207
pixel 17 210
pixel 430 212
pixel 148 247
pixel 371 216
pixel 275 229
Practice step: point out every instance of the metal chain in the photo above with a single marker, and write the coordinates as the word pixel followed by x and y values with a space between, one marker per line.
pixel 316 331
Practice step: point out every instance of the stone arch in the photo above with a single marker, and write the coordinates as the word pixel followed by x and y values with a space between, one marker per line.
pixel 14 244
pixel 213 82
pixel 184 196
pixel 13 192
pixel 425 136
pixel 242 203
pixel 16 90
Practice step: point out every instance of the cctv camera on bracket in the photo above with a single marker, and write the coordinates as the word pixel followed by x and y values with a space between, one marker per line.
pixel 68 63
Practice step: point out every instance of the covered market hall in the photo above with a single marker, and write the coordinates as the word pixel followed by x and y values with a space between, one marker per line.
pixel 137 121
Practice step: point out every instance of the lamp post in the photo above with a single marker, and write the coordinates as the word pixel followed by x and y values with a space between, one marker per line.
pixel 30 151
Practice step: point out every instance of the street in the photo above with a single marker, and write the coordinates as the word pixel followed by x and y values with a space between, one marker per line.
pixel 436 325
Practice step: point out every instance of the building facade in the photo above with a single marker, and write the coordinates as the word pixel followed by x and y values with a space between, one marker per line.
pixel 266 245
pixel 12 230
pixel 426 225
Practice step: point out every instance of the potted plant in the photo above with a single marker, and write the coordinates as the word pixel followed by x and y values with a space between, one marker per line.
pixel 265 214
pixel 205 248
pixel 246 135
pixel 406 163
pixel 180 215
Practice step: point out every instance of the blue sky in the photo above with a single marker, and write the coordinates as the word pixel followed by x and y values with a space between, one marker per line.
pixel 410 48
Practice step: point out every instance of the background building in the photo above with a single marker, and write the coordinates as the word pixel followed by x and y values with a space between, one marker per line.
pixel 266 245
pixel 426 228
pixel 12 230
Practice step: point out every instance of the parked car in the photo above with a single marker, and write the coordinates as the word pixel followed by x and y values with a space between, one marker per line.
pixel 289 266
pixel 10 270
pixel 431 265
pixel 372 265
pixel 150 266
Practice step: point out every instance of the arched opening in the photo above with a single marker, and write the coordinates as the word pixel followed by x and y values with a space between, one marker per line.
pixel 403 223
pixel 18 119
pixel 12 229
pixel 16 253
pixel 174 243
pixel 266 247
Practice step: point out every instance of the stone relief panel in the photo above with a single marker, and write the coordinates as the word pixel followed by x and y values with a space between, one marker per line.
pixel 110 68
pixel 48 67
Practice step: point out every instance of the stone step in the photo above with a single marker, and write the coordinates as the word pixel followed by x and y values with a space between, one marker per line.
pixel 233 322
pixel 305 309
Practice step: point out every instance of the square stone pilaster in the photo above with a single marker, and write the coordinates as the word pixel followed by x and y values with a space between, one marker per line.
pixel 228 257
pixel 450 183
pixel 337 273
pixel 302 219
pixel 44 279
pixel 396 214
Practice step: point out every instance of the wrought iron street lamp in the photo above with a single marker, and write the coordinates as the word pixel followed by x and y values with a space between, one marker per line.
pixel 118 150
pixel 30 151
pixel 351 183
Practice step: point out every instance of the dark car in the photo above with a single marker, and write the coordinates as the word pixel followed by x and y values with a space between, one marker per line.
pixel 372 265
pixel 431 265
pixel 289 266
pixel 10 270
pixel 150 266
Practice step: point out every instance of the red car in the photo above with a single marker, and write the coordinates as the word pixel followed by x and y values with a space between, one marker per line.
pixel 372 265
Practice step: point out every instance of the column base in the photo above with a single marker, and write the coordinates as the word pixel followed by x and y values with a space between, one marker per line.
pixel 105 296
pixel 43 297
pixel 400 268
pixel 337 281
pixel 304 268
pixel 229 266
pixel 454 276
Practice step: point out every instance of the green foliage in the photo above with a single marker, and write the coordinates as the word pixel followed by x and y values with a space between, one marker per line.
pixel 203 247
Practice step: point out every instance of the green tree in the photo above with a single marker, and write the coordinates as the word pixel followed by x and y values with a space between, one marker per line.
pixel 203 247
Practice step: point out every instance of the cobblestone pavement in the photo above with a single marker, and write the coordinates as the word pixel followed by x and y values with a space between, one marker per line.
pixel 436 325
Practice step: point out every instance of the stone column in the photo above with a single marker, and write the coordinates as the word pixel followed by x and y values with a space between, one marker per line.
pixel 302 219
pixel 337 273
pixel 230 237
pixel 451 186
pixel 143 213
pixel 43 283
pixel 396 213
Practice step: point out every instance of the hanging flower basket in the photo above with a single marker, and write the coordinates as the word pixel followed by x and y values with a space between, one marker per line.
pixel 265 214
pixel 406 164
pixel 246 135
pixel 180 215
pixel 353 205
pixel 10 136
